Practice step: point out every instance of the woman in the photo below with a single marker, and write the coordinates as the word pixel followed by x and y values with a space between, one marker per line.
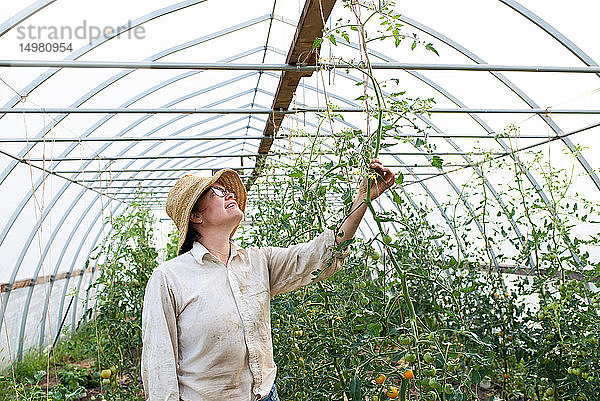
pixel 206 324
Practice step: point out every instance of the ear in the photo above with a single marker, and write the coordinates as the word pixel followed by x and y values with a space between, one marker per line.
pixel 196 218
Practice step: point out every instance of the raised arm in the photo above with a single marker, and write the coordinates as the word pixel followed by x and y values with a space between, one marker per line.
pixel 384 179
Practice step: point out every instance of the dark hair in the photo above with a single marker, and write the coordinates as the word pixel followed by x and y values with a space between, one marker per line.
pixel 193 235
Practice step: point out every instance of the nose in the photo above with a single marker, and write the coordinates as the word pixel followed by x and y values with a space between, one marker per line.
pixel 230 195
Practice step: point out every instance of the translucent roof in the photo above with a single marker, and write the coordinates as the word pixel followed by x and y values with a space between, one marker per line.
pixel 63 171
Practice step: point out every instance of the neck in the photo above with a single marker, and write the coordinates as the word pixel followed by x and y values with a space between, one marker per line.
pixel 217 243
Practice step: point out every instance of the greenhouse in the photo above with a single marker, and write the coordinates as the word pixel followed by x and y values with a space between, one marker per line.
pixel 300 200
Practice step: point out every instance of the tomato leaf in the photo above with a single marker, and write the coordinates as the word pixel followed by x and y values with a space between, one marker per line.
pixel 400 178
pixel 317 43
pixel 437 161
pixel 355 390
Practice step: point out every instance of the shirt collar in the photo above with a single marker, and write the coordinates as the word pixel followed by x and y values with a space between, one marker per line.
pixel 199 251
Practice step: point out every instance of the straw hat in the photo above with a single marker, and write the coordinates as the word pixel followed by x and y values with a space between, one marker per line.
pixel 188 189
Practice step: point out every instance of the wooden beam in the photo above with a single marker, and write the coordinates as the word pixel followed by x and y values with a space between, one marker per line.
pixel 310 27
pixel 5 287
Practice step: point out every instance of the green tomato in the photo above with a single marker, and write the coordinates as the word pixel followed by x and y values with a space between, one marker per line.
pixel 434 384
pixel 387 239
pixel 410 357
pixel 404 340
pixel 428 357
pixel 448 389
pixel 364 301
pixel 375 255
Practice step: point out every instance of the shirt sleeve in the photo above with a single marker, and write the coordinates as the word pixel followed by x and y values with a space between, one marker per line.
pixel 292 267
pixel 159 336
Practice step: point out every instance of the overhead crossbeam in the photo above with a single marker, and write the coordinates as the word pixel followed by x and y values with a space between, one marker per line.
pixel 276 114
pixel 209 156
pixel 228 138
pixel 298 67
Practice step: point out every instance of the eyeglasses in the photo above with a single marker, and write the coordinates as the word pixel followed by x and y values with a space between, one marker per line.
pixel 221 192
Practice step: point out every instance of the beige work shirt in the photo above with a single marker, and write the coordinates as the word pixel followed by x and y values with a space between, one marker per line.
pixel 206 327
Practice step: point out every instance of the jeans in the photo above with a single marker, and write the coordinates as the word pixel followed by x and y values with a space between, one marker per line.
pixel 272 395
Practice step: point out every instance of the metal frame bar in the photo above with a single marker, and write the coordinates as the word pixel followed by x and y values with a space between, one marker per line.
pixel 120 110
pixel 128 139
pixel 412 165
pixel 148 157
pixel 23 15
pixel 219 138
pixel 166 179
pixel 293 67
pixel 550 30
pixel 48 171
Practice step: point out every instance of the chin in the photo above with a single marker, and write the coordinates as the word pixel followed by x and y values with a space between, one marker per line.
pixel 235 216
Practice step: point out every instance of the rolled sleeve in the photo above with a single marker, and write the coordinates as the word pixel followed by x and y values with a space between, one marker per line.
pixel 160 347
pixel 293 267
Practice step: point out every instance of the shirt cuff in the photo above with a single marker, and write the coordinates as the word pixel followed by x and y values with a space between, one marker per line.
pixel 332 245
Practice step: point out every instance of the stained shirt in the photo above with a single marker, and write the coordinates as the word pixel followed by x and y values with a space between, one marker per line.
pixel 206 327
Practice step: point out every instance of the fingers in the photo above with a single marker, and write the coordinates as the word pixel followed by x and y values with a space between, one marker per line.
pixel 379 168
pixel 375 162
pixel 385 173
